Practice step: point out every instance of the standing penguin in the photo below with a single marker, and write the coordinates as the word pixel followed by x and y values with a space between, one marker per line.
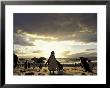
pixel 52 63
pixel 85 64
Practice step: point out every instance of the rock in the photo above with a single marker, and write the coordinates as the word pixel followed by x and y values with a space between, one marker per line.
pixel 83 74
pixel 29 73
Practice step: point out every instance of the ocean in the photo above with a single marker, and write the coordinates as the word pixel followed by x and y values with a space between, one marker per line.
pixel 62 60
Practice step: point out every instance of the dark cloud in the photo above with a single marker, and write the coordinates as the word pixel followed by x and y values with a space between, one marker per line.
pixel 28 39
pixel 80 27
pixel 21 39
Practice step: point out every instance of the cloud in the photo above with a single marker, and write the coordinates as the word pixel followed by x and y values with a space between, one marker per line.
pixel 21 39
pixel 61 26
pixel 28 39
pixel 38 51
pixel 85 54
pixel 90 49
pixel 66 53
pixel 24 50
pixel 80 54
pixel 20 51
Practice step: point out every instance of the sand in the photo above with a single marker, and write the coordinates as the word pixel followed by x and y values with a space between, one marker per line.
pixel 44 71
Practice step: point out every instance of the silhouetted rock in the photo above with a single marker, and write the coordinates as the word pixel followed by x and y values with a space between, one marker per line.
pixel 15 60
pixel 29 73
pixel 83 74
pixel 40 74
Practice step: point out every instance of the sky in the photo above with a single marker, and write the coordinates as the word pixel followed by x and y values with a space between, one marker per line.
pixel 70 35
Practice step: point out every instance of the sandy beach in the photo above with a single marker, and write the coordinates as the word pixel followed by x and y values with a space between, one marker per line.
pixel 67 70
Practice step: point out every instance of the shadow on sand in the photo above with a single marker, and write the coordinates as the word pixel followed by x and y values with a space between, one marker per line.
pixel 60 73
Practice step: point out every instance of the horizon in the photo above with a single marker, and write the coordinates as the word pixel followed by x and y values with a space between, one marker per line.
pixel 57 58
